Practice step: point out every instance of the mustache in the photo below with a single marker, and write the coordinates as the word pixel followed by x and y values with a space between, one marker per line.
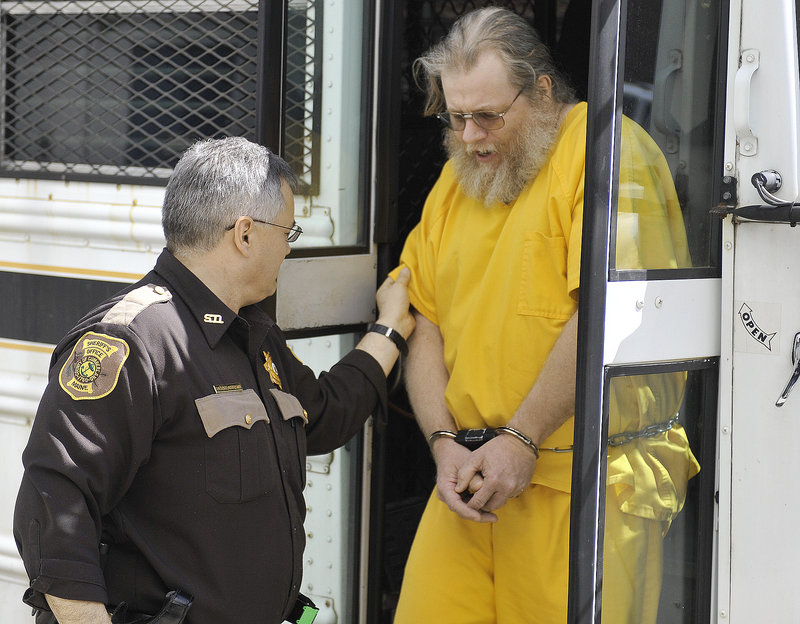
pixel 474 149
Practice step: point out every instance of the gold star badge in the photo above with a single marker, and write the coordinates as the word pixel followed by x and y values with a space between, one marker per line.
pixel 270 367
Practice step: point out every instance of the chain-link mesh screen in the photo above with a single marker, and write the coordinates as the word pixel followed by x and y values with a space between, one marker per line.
pixel 303 77
pixel 120 89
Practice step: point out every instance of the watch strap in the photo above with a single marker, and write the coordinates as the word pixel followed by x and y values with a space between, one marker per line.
pixel 391 334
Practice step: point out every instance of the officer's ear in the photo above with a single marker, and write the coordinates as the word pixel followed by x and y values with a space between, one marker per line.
pixel 241 232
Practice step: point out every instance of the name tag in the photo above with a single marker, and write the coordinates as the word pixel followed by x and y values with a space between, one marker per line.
pixel 228 388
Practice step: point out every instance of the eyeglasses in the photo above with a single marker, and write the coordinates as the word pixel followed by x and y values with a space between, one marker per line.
pixel 488 120
pixel 294 232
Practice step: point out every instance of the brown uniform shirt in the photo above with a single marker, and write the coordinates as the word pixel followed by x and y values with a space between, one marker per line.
pixel 175 431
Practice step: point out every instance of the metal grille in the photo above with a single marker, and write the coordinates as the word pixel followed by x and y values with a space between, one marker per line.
pixel 302 101
pixel 121 89
pixel 117 90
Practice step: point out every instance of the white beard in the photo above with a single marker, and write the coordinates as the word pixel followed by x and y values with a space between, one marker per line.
pixel 522 158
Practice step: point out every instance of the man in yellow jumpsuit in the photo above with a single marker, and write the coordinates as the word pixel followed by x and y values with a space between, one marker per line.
pixel 495 264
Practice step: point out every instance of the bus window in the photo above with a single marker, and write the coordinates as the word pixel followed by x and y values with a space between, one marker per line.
pixel 325 120
pixel 660 478
pixel 115 93
pixel 669 90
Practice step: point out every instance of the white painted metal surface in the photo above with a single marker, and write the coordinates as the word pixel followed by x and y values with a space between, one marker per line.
pixel 765 493
pixel 758 492
pixel 768 28
pixel 23 375
pixel 662 320
pixel 329 558
pixel 314 292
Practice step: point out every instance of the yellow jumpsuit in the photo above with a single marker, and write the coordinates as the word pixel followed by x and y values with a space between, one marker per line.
pixel 500 282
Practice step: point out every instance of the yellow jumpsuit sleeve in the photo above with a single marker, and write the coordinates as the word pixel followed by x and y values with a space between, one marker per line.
pixel 421 250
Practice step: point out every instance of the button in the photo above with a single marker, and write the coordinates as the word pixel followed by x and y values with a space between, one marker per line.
pixel 305 414
pixel 159 290
pixel 248 419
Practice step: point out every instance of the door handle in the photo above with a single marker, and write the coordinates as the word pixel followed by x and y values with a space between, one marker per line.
pixel 748 141
pixel 795 373
pixel 663 120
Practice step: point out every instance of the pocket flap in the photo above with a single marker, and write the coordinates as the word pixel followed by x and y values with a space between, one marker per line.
pixel 289 405
pixel 230 409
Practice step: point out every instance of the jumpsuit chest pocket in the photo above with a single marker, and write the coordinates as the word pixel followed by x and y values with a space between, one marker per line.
pixel 543 277
pixel 240 462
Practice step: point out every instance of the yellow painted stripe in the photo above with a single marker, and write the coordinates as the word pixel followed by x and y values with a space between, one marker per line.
pixel 55 269
pixel 25 347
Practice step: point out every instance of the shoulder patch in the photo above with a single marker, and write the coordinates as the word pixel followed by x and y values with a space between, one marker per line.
pixel 125 310
pixel 92 369
pixel 288 346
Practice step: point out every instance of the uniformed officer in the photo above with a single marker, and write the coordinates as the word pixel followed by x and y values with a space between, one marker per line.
pixel 168 451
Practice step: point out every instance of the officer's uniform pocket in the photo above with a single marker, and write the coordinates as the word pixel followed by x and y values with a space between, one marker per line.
pixel 293 413
pixel 240 461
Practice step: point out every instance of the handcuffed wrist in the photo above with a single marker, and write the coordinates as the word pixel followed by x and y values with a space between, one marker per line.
pixel 521 437
pixel 442 433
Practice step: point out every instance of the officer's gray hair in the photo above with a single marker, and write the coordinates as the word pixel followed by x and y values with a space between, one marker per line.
pixel 508 35
pixel 215 182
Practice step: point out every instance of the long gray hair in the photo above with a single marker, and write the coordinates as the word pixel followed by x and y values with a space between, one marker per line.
pixel 503 32
pixel 215 182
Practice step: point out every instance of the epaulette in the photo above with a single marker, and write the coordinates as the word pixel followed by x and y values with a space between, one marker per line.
pixel 125 310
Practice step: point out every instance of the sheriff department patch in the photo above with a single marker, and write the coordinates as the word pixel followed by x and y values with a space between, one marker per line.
pixel 93 367
pixel 269 365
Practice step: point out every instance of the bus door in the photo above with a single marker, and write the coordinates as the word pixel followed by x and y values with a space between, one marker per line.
pixel 643 481
pixel 98 102
pixel 759 402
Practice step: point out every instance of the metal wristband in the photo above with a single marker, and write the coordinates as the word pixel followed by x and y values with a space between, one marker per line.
pixel 442 433
pixel 520 436
pixel 391 334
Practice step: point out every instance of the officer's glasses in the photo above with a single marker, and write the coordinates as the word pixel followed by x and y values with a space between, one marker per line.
pixel 294 232
pixel 488 120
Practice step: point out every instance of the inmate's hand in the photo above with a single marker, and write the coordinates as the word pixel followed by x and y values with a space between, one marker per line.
pixel 450 459
pixel 393 304
pixel 500 469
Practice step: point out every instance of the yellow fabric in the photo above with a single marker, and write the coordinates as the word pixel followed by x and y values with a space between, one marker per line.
pixel 632 566
pixel 650 229
pixel 516 571
pixel 650 474
pixel 501 282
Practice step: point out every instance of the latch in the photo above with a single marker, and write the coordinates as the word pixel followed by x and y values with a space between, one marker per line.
pixel 774 209
pixel 795 373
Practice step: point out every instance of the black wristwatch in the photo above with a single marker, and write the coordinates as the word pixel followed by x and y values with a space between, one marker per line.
pixel 391 334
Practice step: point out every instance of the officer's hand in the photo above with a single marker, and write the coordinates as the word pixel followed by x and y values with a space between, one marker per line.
pixel 505 467
pixel 450 458
pixel 393 304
